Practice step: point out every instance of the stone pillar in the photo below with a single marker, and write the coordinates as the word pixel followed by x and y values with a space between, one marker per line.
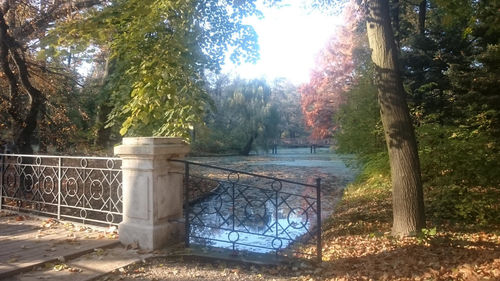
pixel 152 191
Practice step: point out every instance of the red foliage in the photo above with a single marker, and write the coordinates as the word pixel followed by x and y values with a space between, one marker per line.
pixel 329 81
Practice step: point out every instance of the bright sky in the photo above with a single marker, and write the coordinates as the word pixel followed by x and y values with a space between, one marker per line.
pixel 289 39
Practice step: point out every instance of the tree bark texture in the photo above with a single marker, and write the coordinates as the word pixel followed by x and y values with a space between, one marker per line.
pixel 248 145
pixel 103 133
pixel 17 73
pixel 395 22
pixel 422 10
pixel 408 204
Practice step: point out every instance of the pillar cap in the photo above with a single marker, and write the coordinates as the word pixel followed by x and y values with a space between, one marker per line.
pixel 156 146
pixel 152 140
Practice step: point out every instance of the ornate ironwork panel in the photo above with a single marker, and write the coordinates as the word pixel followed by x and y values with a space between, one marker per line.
pixel 242 211
pixel 86 189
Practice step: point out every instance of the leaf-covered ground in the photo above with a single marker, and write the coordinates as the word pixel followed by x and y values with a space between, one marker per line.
pixel 357 246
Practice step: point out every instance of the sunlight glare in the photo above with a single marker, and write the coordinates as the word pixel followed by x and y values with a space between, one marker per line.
pixel 289 39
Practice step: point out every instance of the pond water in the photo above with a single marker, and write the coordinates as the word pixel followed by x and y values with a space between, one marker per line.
pixel 253 214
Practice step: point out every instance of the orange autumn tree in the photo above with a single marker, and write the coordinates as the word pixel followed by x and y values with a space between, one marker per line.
pixel 329 81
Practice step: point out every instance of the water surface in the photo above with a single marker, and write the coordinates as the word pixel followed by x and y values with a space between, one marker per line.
pixel 256 216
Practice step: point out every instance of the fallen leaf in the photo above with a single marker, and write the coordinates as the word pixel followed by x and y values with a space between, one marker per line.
pixel 99 251
pixel 112 229
pixel 132 246
pixel 74 269
pixel 59 267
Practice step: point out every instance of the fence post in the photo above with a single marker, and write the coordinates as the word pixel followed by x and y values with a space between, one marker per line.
pixel 59 188
pixel 318 215
pixel 186 205
pixel 152 191
pixel 1 179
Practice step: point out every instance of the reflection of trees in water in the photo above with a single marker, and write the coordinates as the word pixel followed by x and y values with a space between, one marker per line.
pixel 249 211
pixel 265 218
pixel 334 178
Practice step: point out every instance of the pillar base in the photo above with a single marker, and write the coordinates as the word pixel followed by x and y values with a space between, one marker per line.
pixel 151 237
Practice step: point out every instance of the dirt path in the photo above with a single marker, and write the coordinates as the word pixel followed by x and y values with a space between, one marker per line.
pixel 181 269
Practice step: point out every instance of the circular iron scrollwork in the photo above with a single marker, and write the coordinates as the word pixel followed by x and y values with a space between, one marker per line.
pixel 276 185
pixel 48 185
pixel 11 180
pixel 233 236
pixel 110 164
pixel 110 217
pixel 277 243
pixel 255 211
pixel 212 207
pixel 96 190
pixel 28 183
pixel 233 177
pixel 71 187
pixel 301 219
pixel 83 213
pixel 119 192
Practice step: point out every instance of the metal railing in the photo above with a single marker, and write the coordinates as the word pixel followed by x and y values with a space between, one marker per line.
pixel 85 189
pixel 247 212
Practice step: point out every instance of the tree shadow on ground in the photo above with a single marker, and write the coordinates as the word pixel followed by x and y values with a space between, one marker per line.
pixel 462 260
pixel 363 217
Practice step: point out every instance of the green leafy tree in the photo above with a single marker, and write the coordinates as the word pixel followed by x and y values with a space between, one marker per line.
pixel 287 98
pixel 159 54
pixel 458 115
pixel 360 129
pixel 244 115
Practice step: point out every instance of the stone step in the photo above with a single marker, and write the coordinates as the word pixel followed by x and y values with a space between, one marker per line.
pixel 85 268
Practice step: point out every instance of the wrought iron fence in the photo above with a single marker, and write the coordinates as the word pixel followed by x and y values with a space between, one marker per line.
pixel 243 212
pixel 85 189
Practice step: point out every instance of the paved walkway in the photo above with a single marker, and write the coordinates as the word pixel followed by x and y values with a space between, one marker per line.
pixel 38 249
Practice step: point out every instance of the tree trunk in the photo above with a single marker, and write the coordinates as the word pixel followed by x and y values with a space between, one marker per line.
pixel 407 194
pixel 422 9
pixel 248 146
pixel 103 133
pixel 395 22
pixel 9 48
pixel 27 130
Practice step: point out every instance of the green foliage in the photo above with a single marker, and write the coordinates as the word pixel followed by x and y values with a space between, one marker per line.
pixel 451 76
pixel 426 235
pixel 460 168
pixel 374 165
pixel 452 79
pixel 458 156
pixel 244 116
pixel 464 205
pixel 160 51
pixel 360 129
